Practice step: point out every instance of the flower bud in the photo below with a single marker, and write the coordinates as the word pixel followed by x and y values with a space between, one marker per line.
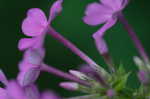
pixel 79 75
pixel 70 85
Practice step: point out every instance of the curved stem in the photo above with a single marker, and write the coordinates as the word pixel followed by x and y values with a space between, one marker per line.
pixel 134 37
pixel 57 72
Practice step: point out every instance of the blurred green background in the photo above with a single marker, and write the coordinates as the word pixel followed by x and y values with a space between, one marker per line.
pixel 70 24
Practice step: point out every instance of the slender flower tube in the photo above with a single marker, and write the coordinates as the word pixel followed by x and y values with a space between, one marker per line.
pixel 99 13
pixel 134 37
pixel 57 72
pixel 72 47
pixel 83 56
pixel 103 50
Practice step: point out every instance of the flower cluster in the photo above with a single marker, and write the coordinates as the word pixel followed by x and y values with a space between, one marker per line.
pixel 90 78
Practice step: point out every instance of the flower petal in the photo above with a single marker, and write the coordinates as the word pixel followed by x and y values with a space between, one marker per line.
pixel 104 28
pixel 32 92
pixel 26 43
pixel 35 22
pixel 97 8
pixel 28 76
pixel 95 19
pixel 49 95
pixel 55 10
pixel 15 91
pixel 3 94
pixel 97 14
pixel 34 56
pixel 114 4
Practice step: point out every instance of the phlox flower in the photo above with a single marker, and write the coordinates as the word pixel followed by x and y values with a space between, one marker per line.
pixel 104 12
pixel 34 25
pixel 108 12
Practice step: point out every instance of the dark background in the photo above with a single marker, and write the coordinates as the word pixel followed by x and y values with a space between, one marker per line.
pixel 70 24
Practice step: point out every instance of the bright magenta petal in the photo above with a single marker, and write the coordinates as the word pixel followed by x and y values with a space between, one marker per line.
pixel 97 14
pixel 28 76
pixel 95 19
pixel 15 91
pixel 3 94
pixel 114 4
pixel 97 8
pixel 26 43
pixel 34 56
pixel 35 22
pixel 32 92
pixel 49 95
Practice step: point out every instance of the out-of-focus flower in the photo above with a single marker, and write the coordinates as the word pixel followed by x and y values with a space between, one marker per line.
pixel 30 66
pixel 13 90
pixel 111 93
pixel 49 95
pixel 143 76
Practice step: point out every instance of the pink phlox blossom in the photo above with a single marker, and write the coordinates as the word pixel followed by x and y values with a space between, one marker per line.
pixel 13 90
pixel 34 25
pixel 103 13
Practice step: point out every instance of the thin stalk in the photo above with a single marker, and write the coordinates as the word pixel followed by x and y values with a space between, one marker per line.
pixel 103 50
pixel 134 37
pixel 75 50
pixel 52 70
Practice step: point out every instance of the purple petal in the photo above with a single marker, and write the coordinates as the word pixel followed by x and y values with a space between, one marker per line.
pixel 49 95
pixel 3 94
pixel 55 10
pixel 35 22
pixel 104 28
pixel 96 8
pixel 114 4
pixel 95 19
pixel 32 92
pixel 124 3
pixel 15 91
pixel 101 45
pixel 26 43
pixel 97 14
pixel 28 76
pixel 34 56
